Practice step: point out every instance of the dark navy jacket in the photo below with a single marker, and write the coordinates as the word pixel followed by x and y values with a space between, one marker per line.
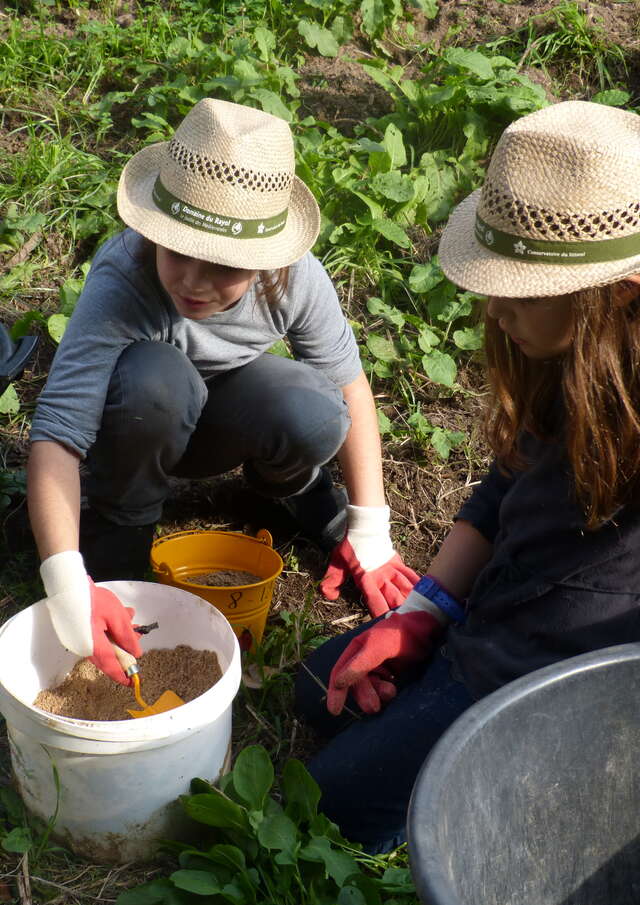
pixel 552 589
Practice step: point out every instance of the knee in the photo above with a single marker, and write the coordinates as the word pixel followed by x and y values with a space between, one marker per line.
pixel 314 423
pixel 156 388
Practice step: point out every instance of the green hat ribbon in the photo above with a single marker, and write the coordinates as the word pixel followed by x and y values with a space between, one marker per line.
pixel 544 252
pixel 218 224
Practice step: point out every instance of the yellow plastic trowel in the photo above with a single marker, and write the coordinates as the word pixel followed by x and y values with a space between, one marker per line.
pixel 168 700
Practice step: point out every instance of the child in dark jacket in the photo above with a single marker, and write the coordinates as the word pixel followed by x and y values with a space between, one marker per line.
pixel 543 561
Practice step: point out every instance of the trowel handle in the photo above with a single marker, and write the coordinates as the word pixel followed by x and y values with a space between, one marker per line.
pixel 126 660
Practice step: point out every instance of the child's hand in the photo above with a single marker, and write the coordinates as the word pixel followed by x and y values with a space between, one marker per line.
pixel 84 614
pixel 373 657
pixel 367 554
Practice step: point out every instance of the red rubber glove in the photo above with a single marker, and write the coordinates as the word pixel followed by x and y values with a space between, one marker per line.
pixel 375 656
pixel 83 615
pixel 367 554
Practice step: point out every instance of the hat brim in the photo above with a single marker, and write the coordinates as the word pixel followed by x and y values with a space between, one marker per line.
pixel 138 210
pixel 475 268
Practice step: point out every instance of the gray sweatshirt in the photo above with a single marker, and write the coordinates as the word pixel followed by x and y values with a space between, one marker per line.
pixel 123 302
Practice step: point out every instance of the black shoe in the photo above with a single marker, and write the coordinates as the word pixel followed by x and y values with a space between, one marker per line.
pixel 321 511
pixel 111 551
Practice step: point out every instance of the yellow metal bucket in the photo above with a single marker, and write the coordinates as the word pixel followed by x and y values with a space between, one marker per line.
pixel 178 557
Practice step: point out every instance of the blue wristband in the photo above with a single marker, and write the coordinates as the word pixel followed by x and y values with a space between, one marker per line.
pixel 428 587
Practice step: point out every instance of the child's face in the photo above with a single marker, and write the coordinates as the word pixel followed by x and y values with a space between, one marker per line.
pixel 541 328
pixel 198 288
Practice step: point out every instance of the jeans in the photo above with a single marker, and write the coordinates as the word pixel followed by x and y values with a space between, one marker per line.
pixel 367 769
pixel 278 418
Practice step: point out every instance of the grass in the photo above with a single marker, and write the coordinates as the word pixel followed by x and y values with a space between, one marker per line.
pixel 83 84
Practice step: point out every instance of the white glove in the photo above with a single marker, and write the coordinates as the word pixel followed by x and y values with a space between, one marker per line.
pixel 66 585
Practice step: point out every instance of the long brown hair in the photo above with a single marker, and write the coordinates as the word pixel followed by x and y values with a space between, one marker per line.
pixel 598 381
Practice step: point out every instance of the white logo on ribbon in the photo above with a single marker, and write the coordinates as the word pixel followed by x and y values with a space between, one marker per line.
pixel 260 229
pixel 175 207
pixel 520 248
pixel 489 237
pixel 236 228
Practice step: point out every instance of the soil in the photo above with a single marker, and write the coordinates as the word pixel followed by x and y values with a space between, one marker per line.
pixel 87 694
pixel 224 578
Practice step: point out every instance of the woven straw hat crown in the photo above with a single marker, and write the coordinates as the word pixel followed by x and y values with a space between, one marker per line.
pixel 559 209
pixel 223 189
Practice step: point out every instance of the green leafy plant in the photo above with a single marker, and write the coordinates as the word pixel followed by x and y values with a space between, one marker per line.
pixel 13 484
pixel 263 844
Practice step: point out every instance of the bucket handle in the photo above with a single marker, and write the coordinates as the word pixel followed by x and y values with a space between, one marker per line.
pixel 164 569
pixel 264 537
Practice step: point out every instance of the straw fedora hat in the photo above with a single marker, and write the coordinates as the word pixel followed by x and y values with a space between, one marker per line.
pixel 559 209
pixel 222 190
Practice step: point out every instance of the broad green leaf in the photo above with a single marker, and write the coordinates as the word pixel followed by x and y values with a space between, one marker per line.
pixel 377 211
pixel 246 72
pixel 394 185
pixel 197 881
pixel 370 146
pixel 253 776
pixel 440 367
pixel 278 832
pixel 384 424
pixel 266 41
pixel 18 840
pixel 338 865
pixel 301 791
pixel 228 856
pixel 472 60
pixel 372 15
pixel 443 441
pixel 280 348
pixel 359 890
pixel 427 339
pixel 428 7
pixel 351 895
pixel 446 305
pixel 23 324
pixel 11 801
pixel 342 29
pixel 9 402
pixel 56 325
pixel 614 97
pixel 320 38
pixel 382 369
pixel 391 231
pixel 382 348
pixel 380 77
pixel 288 78
pixel 424 277
pixel 394 145
pixel 398 879
pixel 469 338
pixel 392 315
pixel 443 182
pixel 214 809
pixel 69 294
pixel 271 103
pixel 157 892
pixel 419 424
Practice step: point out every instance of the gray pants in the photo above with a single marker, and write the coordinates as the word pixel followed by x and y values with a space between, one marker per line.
pixel 278 418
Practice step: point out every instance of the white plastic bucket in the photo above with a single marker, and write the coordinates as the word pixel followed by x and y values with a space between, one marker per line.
pixel 118 780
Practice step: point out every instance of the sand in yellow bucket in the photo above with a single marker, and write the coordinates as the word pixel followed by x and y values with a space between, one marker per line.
pixel 177 558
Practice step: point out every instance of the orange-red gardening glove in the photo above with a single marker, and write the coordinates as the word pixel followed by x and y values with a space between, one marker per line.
pixel 375 656
pixel 367 555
